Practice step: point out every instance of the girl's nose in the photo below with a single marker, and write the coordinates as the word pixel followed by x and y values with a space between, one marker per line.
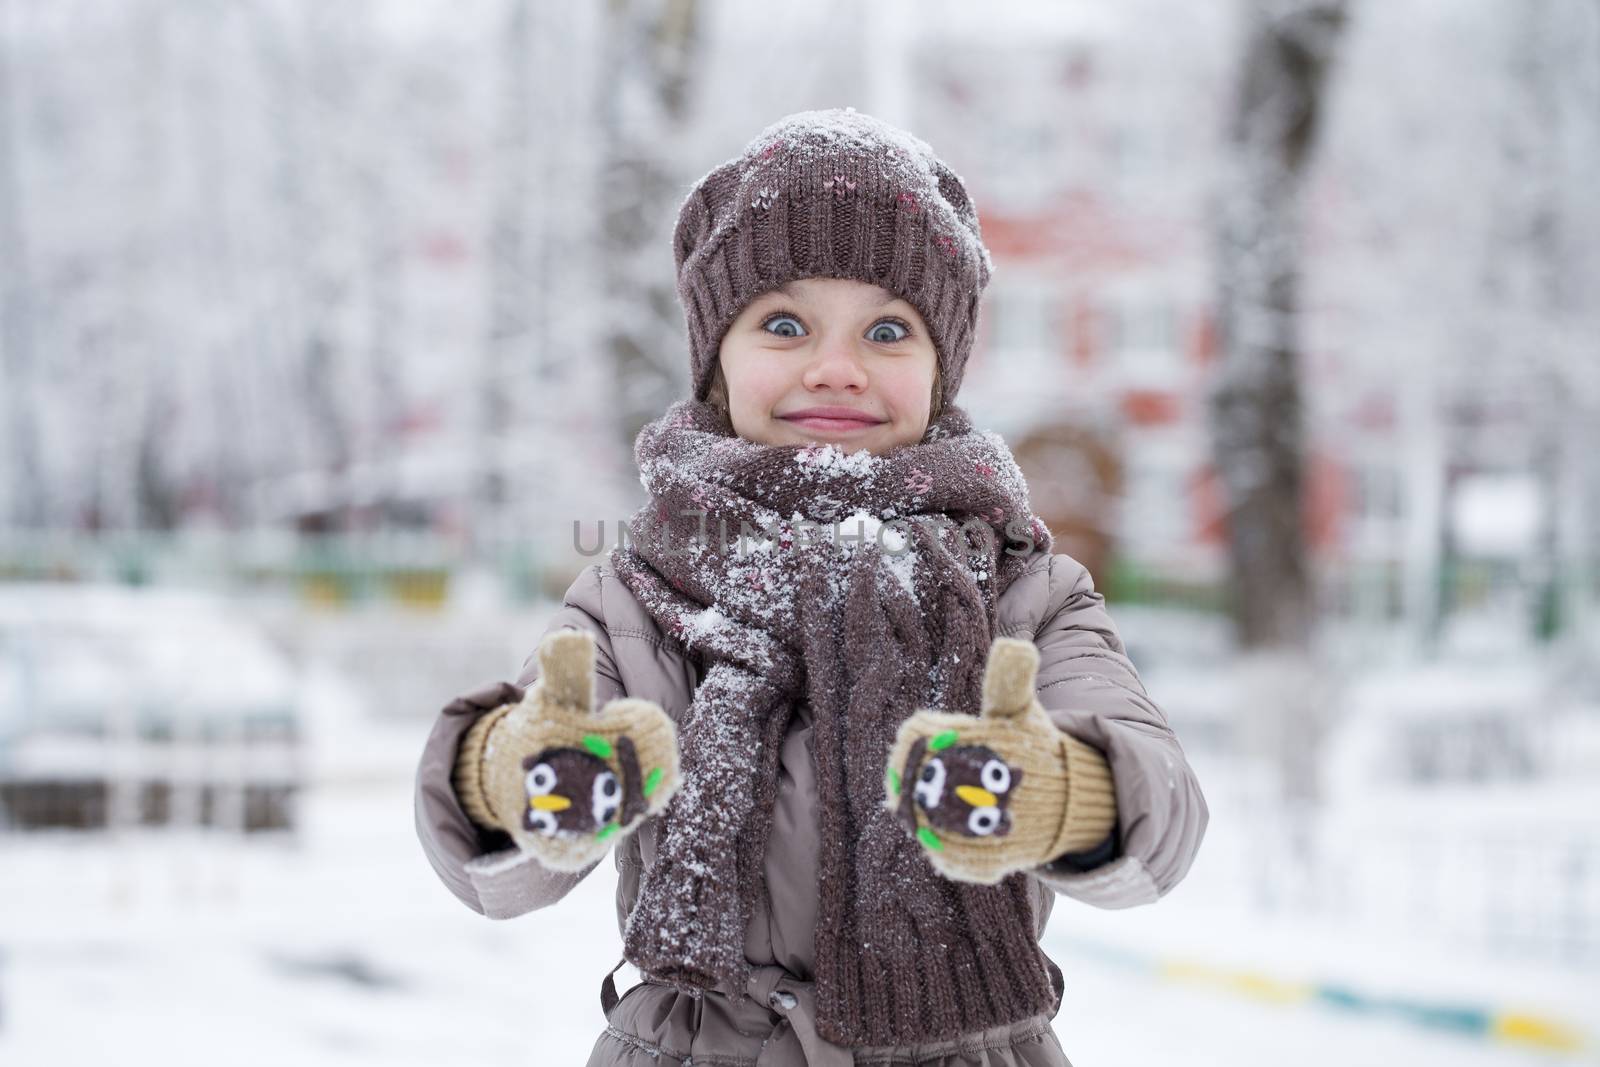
pixel 836 365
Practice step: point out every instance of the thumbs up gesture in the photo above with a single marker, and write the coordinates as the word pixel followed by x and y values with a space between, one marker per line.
pixel 564 780
pixel 1001 791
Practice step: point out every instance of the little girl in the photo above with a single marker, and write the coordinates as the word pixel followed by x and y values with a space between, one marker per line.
pixel 860 724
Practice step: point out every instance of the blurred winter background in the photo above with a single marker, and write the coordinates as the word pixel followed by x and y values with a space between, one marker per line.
pixel 321 323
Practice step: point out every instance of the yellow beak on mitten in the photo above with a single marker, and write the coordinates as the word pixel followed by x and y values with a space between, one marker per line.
pixel 564 780
pixel 1001 791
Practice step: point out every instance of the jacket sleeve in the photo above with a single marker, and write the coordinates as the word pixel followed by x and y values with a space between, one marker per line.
pixel 484 868
pixel 1090 689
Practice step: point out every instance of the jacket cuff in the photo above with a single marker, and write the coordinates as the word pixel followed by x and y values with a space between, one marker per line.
pixel 468 776
pixel 1091 810
pixel 1088 860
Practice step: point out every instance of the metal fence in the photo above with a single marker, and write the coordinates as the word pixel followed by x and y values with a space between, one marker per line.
pixel 421 570
pixel 415 570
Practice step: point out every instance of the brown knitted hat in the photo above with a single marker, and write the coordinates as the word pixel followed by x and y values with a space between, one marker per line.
pixel 831 194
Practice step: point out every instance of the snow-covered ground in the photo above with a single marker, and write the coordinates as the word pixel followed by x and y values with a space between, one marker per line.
pixel 340 947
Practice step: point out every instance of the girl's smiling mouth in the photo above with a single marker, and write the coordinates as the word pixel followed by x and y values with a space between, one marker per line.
pixel 832 419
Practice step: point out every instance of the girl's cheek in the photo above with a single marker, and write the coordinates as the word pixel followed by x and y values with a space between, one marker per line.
pixel 767 388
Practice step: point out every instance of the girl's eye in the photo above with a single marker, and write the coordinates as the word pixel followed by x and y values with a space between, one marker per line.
pixel 879 330
pixel 789 326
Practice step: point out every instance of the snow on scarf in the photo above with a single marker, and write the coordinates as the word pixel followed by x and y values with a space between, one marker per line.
pixel 895 614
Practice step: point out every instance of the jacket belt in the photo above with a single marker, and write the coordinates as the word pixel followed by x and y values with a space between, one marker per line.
pixel 794 1039
pixel 795 1000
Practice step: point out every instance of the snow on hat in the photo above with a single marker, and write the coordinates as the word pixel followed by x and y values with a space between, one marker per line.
pixel 832 194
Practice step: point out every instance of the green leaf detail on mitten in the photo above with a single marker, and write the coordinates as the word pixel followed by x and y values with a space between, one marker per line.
pixel 929 838
pixel 894 781
pixel 652 780
pixel 598 745
pixel 942 741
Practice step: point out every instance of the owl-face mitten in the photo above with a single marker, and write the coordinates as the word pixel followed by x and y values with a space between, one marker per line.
pixel 564 780
pixel 1001 791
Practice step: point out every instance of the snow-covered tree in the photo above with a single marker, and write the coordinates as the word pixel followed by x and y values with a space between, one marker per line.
pixel 652 51
pixel 1258 433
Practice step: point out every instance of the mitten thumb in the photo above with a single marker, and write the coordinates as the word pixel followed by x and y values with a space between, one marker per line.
pixel 1008 678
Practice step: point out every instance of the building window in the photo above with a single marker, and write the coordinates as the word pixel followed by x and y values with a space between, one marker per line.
pixel 1025 318
pixel 1144 326
pixel 1137 152
pixel 1142 334
pixel 1157 512
pixel 1377 492
pixel 1024 163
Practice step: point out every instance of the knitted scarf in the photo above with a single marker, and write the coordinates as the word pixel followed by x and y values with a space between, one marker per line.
pixel 885 606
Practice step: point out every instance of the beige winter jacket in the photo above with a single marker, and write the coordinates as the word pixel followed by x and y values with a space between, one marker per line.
pixel 1086 683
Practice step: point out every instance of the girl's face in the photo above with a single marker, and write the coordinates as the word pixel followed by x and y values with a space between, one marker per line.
pixel 855 357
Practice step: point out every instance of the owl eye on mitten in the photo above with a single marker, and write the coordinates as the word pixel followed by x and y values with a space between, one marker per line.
pixel 564 780
pixel 1002 791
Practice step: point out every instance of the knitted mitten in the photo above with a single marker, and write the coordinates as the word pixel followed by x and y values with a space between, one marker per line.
pixel 1002 791
pixel 566 781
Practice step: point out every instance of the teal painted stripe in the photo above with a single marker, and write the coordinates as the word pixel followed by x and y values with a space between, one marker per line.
pixel 1458 1018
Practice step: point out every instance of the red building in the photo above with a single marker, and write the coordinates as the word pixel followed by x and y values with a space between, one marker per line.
pixel 1091 178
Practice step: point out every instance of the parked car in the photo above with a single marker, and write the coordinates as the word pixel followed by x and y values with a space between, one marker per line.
pixel 123 706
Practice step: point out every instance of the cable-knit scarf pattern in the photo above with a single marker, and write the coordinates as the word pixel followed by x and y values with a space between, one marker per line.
pixel 885 606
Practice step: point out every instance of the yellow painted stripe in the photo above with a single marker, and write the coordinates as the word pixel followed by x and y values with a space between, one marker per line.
pixel 1252 984
pixel 1265 987
pixel 1533 1030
